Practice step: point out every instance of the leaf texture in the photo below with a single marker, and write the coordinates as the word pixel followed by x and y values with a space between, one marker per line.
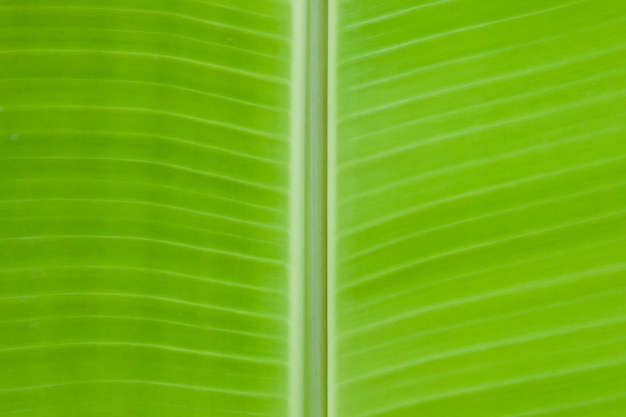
pixel 479 204
pixel 144 207
pixel 151 199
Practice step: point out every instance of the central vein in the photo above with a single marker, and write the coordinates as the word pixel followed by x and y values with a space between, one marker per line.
pixel 316 253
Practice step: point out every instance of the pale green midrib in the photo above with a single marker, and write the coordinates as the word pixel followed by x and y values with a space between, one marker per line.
pixel 316 209
pixel 307 348
pixel 297 230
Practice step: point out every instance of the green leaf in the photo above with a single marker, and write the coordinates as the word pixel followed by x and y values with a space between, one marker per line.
pixel 144 196
pixel 480 209
pixel 240 208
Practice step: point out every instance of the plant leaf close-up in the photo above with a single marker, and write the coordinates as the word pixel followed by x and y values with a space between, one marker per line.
pixel 145 183
pixel 480 203
pixel 312 208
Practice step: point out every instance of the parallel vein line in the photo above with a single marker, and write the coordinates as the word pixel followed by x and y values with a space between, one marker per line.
pixel 484 127
pixel 138 183
pixel 472 57
pixel 456 31
pixel 145 319
pixel 144 203
pixel 570 405
pixel 481 191
pixel 29 297
pixel 485 244
pixel 417 336
pixel 247 103
pixel 152 33
pixel 519 288
pixel 148 136
pixel 169 348
pixel 157 241
pixel 394 14
pixel 234 284
pixel 151 12
pixel 368 250
pixel 143 220
pixel 155 112
pixel 209 174
pixel 486 81
pixel 143 382
pixel 529 260
pixel 489 103
pixel 514 381
pixel 374 191
pixel 263 77
pixel 485 346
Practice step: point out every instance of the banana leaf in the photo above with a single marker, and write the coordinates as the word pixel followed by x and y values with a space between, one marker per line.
pixel 342 208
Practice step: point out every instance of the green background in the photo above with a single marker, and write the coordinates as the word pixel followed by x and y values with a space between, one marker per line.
pixel 149 208
pixel 144 179
pixel 481 208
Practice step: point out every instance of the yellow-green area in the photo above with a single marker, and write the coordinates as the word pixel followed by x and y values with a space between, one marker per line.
pixel 144 193
pixel 480 265
pixel 156 205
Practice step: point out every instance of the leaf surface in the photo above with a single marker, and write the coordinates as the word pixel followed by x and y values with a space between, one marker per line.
pixel 479 208
pixel 145 186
